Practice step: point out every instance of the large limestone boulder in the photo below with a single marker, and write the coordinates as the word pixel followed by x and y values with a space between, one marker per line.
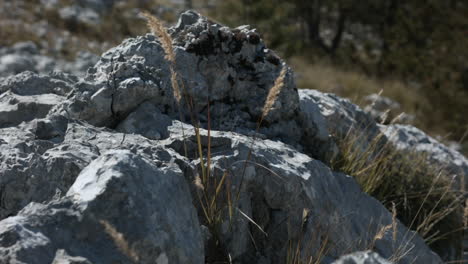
pixel 121 209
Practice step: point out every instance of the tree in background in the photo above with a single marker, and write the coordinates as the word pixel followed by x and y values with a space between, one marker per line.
pixel 418 41
pixel 188 4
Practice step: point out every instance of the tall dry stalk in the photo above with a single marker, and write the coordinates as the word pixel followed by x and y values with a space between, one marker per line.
pixel 209 191
pixel 274 92
pixel 269 102
pixel 158 29
pixel 119 241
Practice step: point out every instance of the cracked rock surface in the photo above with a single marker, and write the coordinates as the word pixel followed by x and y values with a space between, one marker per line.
pixel 104 168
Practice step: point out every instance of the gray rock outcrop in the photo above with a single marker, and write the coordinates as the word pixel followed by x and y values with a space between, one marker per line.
pixel 101 169
pixel 109 215
pixel 409 138
pixel 385 111
pixel 340 117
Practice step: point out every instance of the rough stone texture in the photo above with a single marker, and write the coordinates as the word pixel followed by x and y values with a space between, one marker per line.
pixel 109 215
pixel 230 68
pixel 279 185
pixel 340 117
pixel 362 257
pixel 343 118
pixel 147 121
pixel 316 136
pixel 110 147
pixel 29 83
pixel 61 257
pixel 409 138
pixel 15 109
pixel 340 114
pixel 384 110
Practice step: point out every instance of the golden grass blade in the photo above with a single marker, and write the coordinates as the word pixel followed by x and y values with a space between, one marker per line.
pixel 274 92
pixel 158 29
pixel 218 188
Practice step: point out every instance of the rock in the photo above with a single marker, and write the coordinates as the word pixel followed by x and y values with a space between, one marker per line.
pixel 42 158
pixel 384 110
pixel 26 56
pixel 340 114
pixel 341 119
pixel 61 257
pixel 33 169
pixel 83 61
pixel 282 183
pixel 316 135
pixel 108 169
pixel 121 208
pixel 362 257
pixel 409 138
pixel 29 83
pixel 346 120
pixel 147 121
pixel 298 183
pixel 14 63
pixel 237 69
pixel 27 47
pixel 29 96
pixel 15 109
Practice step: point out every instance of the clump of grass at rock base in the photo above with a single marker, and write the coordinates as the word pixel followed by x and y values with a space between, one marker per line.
pixel 419 194
pixel 423 194
pixel 215 194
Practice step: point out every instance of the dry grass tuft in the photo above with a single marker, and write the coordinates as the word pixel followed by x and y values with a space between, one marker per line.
pixel 119 241
pixel 404 181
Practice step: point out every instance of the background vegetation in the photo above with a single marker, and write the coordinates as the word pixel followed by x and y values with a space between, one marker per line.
pixel 414 50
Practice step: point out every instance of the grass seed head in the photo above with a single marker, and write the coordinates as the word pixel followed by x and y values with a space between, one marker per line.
pixel 158 29
pixel 274 91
